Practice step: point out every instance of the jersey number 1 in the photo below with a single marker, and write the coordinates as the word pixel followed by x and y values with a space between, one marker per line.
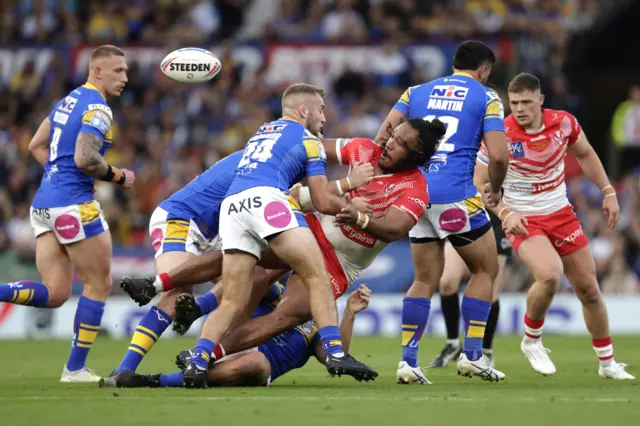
pixel 452 128
pixel 55 139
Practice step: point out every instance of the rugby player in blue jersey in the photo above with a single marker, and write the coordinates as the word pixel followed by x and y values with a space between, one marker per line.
pixel 472 112
pixel 70 229
pixel 283 353
pixel 258 211
pixel 184 226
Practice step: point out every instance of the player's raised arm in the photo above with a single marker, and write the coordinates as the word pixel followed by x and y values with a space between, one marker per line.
pixel 395 117
pixel 357 302
pixel 39 144
pixel 593 169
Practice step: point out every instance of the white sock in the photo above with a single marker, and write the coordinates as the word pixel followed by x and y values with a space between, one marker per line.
pixel 158 284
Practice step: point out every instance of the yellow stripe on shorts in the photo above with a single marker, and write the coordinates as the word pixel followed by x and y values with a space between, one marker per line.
pixel 89 212
pixel 177 230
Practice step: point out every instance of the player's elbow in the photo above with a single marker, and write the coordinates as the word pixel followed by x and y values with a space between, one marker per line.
pixel 323 204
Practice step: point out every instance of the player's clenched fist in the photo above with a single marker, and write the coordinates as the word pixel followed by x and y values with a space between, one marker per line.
pixel 129 178
pixel 361 174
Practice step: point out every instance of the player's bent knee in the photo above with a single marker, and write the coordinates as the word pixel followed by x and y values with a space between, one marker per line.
pixel 449 286
pixel 588 292
pixel 550 277
pixel 257 372
pixel 58 296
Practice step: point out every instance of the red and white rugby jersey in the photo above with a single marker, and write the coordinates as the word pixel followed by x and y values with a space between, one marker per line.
pixel 535 180
pixel 356 249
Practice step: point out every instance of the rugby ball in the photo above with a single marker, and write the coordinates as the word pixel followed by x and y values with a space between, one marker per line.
pixel 190 65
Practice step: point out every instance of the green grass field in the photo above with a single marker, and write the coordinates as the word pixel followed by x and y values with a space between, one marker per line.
pixel 31 395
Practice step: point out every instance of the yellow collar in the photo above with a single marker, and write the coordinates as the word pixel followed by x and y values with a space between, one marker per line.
pixel 465 74
pixel 92 87
pixel 286 117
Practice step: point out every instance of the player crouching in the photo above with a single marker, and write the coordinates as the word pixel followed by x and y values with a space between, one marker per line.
pixel 261 366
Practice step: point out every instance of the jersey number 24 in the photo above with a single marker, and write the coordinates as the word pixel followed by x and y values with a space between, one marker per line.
pixel 257 151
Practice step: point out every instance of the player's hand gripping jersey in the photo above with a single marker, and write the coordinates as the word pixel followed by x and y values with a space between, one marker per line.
pixel 258 203
pixel 64 202
pixel 188 220
pixel 469 110
pixel 354 248
pixel 535 180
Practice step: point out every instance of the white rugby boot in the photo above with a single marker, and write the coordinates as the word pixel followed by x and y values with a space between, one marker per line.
pixel 407 375
pixel 480 367
pixel 614 370
pixel 84 375
pixel 538 356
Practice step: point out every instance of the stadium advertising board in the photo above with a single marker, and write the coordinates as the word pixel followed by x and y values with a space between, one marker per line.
pixel 382 318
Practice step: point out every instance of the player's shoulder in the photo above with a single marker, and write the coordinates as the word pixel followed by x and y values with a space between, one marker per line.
pixel 92 100
pixel 561 120
pixel 360 142
pixel 556 116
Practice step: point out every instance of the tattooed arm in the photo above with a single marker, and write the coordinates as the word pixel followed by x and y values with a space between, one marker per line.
pixel 87 155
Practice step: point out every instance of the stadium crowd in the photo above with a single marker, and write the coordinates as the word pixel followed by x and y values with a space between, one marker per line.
pixel 169 133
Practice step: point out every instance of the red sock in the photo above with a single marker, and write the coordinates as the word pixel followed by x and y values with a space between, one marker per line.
pixel 166 281
pixel 533 328
pixel 218 352
pixel 603 348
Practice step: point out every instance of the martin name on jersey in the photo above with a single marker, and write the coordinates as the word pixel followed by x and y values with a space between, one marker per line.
pixel 469 110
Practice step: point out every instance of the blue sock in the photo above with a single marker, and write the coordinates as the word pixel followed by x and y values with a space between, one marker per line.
pixel 29 293
pixel 474 313
pixel 207 303
pixel 415 313
pixel 151 326
pixel 202 352
pixel 331 340
pixel 86 325
pixel 171 380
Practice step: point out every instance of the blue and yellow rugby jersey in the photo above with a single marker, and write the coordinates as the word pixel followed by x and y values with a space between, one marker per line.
pixel 200 200
pixel 469 110
pixel 291 349
pixel 63 183
pixel 278 155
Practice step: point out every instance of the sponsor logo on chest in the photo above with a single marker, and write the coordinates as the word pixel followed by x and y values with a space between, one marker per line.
pixel 358 236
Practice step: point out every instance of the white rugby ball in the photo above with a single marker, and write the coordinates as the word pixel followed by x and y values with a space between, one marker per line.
pixel 190 65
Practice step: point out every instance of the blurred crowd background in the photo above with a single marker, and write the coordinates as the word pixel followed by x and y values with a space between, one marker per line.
pixel 168 133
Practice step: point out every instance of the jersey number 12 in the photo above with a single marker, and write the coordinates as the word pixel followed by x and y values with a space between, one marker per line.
pixel 452 128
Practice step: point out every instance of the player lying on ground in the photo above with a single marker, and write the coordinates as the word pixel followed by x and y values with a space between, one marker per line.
pixel 541 224
pixel 283 353
pixel 399 194
pixel 455 270
pixel 186 225
pixel 70 228
pixel 471 112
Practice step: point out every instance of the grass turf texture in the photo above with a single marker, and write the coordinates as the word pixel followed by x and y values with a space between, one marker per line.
pixel 31 394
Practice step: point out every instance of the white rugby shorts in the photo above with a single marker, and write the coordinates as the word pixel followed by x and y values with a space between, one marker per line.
pixel 71 223
pixel 169 233
pixel 249 217
pixel 443 220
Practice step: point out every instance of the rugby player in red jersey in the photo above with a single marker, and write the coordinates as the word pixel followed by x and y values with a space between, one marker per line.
pixel 543 227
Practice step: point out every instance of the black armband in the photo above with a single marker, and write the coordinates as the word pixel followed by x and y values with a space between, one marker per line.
pixel 108 177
